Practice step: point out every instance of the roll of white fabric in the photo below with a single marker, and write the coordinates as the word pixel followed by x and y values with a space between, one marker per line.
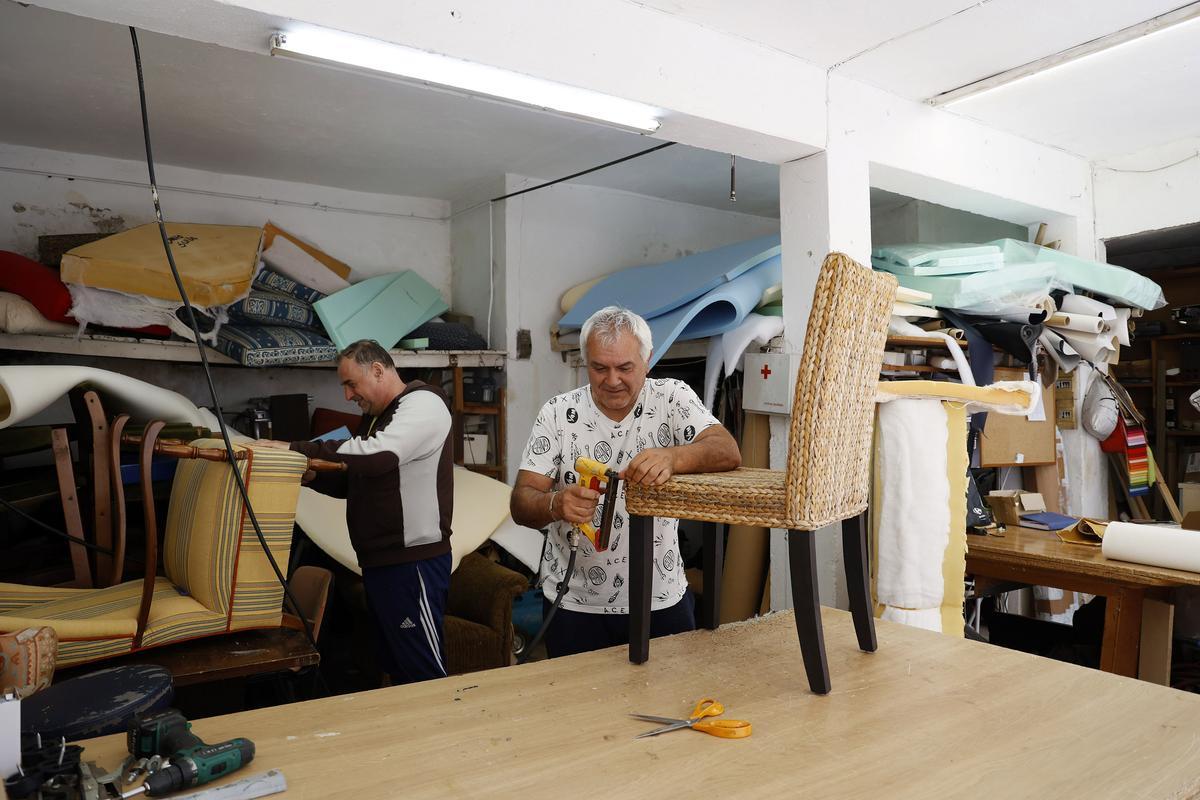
pixel 1078 304
pixel 1159 546
pixel 1077 322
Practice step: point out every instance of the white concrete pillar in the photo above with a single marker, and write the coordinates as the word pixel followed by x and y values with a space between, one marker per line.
pixel 825 205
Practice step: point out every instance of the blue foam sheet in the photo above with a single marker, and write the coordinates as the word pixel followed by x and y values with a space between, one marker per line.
pixel 657 289
pixel 719 310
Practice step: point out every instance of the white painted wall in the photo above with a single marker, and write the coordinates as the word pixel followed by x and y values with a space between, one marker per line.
pixel 1148 190
pixel 563 235
pixel 372 233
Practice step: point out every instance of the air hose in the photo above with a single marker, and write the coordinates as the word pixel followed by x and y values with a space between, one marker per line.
pixel 563 586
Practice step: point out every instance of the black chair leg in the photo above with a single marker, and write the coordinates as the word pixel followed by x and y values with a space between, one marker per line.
pixel 641 575
pixel 858 580
pixel 802 558
pixel 714 560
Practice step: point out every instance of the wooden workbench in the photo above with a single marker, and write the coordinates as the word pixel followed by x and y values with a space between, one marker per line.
pixel 926 716
pixel 1040 558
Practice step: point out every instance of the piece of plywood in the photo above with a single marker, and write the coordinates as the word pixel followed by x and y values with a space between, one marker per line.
pixel 505 732
pixel 1154 652
pixel 1010 441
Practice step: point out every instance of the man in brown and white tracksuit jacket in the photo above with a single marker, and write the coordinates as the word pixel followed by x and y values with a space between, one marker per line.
pixel 399 490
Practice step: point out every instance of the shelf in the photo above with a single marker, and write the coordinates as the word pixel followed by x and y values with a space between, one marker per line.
pixel 919 342
pixel 1182 384
pixel 1184 434
pixel 479 408
pixel 101 346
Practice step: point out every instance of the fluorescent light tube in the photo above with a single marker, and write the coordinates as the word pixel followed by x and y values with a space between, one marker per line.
pixel 362 54
pixel 1042 66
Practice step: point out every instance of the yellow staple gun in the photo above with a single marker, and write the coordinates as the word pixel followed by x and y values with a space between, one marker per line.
pixel 598 477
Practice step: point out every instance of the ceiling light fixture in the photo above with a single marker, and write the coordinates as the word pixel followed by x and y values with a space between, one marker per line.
pixel 1104 44
pixel 408 65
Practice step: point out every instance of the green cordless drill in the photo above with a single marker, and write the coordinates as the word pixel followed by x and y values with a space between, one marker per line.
pixel 192 762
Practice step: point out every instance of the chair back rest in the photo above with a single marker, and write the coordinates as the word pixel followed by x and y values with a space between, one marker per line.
pixel 829 445
pixel 210 550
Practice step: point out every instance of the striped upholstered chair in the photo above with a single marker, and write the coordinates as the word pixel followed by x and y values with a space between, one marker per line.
pixel 217 578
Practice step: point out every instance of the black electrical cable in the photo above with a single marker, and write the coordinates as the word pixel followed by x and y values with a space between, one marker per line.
pixel 562 592
pixel 191 320
pixel 581 173
pixel 55 531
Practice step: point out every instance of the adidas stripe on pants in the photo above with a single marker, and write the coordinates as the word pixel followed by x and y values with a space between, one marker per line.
pixel 408 604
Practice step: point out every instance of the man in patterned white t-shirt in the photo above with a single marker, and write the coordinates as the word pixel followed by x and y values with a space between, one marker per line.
pixel 647 430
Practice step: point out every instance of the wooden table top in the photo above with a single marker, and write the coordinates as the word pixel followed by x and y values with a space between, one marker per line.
pixel 1043 549
pixel 926 716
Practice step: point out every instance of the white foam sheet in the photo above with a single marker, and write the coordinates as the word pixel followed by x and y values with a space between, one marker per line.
pixel 914 509
pixel 26 390
pixel 1157 545
pixel 523 544
pixel 287 257
pixel 929 619
pixel 480 507
pixel 726 350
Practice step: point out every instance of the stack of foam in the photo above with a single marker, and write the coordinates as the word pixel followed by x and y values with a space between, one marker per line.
pixel 1014 293
pixel 125 280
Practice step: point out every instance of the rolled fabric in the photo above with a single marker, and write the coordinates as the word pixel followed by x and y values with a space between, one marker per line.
pixel 1159 546
pixel 1060 350
pixel 1078 322
pixel 1078 304
pixel 1094 347
pixel 1120 326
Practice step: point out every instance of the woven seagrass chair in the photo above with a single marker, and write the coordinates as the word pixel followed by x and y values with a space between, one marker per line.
pixel 827 473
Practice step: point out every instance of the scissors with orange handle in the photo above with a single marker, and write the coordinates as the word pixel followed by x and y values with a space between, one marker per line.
pixel 698 721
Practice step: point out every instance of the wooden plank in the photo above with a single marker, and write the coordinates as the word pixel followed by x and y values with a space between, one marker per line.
pixel 502 732
pixel 1122 632
pixel 216 658
pixel 1154 654
pixel 100 346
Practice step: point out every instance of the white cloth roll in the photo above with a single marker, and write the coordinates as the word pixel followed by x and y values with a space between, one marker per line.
pixel 1064 355
pixel 1078 304
pixel 1159 546
pixel 1077 322
pixel 1095 347
pixel 1120 326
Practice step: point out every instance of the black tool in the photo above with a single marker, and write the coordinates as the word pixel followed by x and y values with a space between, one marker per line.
pixel 191 761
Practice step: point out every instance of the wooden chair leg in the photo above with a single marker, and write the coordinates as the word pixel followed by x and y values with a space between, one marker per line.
pixel 714 560
pixel 641 574
pixel 858 580
pixel 802 558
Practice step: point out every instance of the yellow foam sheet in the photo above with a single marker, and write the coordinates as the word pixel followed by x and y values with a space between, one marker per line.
pixel 954 558
pixel 216 262
pixel 480 507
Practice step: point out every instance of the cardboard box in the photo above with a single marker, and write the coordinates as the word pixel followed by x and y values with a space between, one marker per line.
pixel 1189 497
pixel 1010 441
pixel 1009 504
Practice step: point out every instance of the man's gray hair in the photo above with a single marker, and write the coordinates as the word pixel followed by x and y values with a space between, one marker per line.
pixel 610 322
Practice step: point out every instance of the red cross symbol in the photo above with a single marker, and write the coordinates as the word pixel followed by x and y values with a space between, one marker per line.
pixel 766 372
